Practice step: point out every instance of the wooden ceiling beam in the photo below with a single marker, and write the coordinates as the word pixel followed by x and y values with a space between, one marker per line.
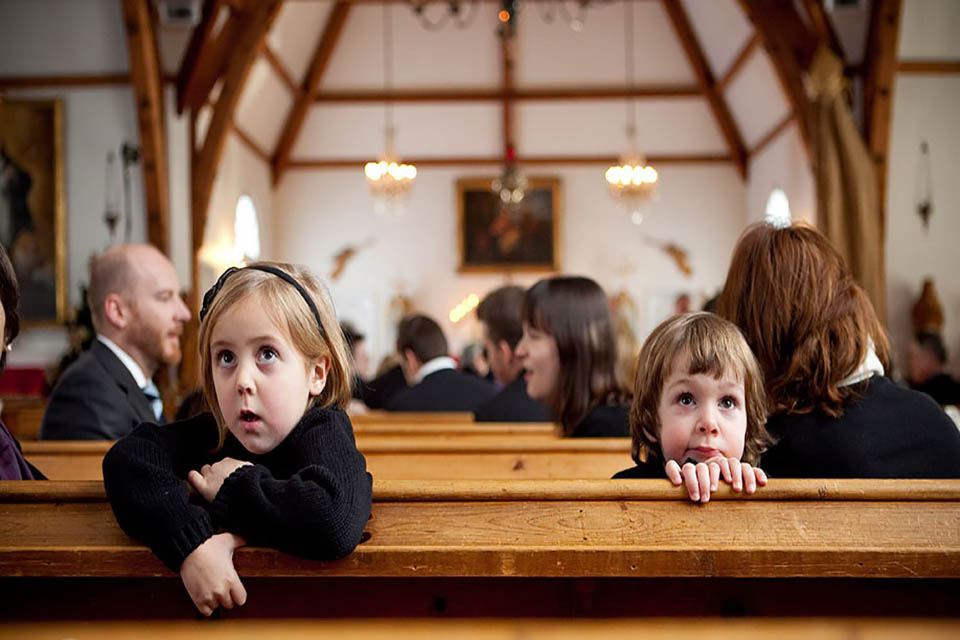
pixel 738 63
pixel 211 63
pixel 942 67
pixel 498 94
pixel 506 61
pixel 791 49
pixel 254 27
pixel 250 143
pixel 318 65
pixel 772 135
pixel 495 161
pixel 822 26
pixel 199 40
pixel 881 57
pixel 148 92
pixel 721 113
pixel 281 70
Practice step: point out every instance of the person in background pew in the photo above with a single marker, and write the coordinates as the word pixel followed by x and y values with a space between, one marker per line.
pixel 928 373
pixel 275 463
pixel 500 314
pixel 699 407
pixel 13 466
pixel 570 357
pixel 138 315
pixel 824 354
pixel 435 384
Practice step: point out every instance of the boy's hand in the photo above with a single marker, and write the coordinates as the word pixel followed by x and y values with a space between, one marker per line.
pixel 209 576
pixel 210 478
pixel 703 477
pixel 740 475
pixel 700 478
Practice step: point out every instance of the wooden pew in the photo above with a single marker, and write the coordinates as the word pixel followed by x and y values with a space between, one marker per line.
pixel 427 417
pixel 655 629
pixel 23 416
pixel 404 429
pixel 526 548
pixel 429 457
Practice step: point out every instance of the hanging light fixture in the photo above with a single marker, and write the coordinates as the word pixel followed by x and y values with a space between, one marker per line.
pixel 511 186
pixel 632 182
pixel 390 179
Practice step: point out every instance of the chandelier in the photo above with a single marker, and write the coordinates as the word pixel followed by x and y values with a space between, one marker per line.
pixel 632 182
pixel 511 186
pixel 389 179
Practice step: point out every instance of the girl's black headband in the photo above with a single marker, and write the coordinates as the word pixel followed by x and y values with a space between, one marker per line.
pixel 283 275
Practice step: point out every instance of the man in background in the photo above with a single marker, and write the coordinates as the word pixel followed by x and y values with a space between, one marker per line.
pixel 138 316
pixel 928 360
pixel 435 384
pixel 500 313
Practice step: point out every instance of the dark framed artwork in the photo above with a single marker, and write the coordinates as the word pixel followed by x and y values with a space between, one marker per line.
pixel 32 222
pixel 492 237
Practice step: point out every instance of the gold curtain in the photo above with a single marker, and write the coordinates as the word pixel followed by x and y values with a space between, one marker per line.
pixel 848 207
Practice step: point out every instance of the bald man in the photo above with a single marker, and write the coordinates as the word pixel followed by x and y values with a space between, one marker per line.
pixel 134 298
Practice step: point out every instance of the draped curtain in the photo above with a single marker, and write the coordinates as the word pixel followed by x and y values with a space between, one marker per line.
pixel 848 206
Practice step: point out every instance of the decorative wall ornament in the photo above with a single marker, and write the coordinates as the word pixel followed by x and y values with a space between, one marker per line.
pixel 924 185
pixel 32 214
pixel 495 237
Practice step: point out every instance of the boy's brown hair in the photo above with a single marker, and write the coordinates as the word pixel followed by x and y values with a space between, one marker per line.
pixel 711 345
pixel 806 319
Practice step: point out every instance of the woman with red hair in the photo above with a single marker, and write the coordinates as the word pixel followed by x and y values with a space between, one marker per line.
pixel 824 355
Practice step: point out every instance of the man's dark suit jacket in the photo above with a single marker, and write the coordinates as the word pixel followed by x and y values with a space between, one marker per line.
pixel 444 390
pixel 512 404
pixel 95 399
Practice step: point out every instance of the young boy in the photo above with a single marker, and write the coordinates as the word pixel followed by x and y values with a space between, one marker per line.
pixel 699 407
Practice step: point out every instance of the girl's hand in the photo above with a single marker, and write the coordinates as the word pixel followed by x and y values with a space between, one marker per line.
pixel 700 478
pixel 210 478
pixel 209 576
pixel 740 475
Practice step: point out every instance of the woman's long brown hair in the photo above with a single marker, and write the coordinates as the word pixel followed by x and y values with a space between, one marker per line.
pixel 575 312
pixel 809 324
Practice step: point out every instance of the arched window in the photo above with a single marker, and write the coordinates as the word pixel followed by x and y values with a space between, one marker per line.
pixel 778 208
pixel 246 229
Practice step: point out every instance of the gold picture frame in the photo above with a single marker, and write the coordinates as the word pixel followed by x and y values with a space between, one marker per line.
pixel 32 216
pixel 492 238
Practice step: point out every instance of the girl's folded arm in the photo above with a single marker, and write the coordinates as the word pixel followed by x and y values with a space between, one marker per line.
pixel 143 478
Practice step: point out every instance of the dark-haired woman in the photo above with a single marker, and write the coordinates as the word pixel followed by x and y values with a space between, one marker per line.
pixel 12 464
pixel 824 355
pixel 569 354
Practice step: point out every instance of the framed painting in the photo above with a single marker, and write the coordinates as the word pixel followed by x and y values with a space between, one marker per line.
pixel 493 237
pixel 32 222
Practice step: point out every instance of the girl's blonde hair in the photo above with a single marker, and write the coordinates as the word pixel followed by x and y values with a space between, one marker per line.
pixel 289 311
pixel 712 346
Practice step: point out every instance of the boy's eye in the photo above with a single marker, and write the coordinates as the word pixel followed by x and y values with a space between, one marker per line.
pixel 267 355
pixel 728 402
pixel 224 358
pixel 685 399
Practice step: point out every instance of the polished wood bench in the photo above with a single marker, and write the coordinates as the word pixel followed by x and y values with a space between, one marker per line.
pixel 491 456
pixel 598 548
pixel 425 417
pixel 550 629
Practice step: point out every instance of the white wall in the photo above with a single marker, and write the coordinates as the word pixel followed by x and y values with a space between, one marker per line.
pixel 783 165
pixel 416 255
pixel 57 37
pixel 925 108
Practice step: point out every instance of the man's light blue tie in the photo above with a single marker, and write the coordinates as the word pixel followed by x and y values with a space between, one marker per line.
pixel 153 395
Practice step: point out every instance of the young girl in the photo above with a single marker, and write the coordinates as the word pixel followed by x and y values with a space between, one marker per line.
pixel 699 407
pixel 569 356
pixel 275 463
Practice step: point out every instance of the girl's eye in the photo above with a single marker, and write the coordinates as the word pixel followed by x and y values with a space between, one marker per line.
pixel 728 402
pixel 685 399
pixel 267 355
pixel 225 358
